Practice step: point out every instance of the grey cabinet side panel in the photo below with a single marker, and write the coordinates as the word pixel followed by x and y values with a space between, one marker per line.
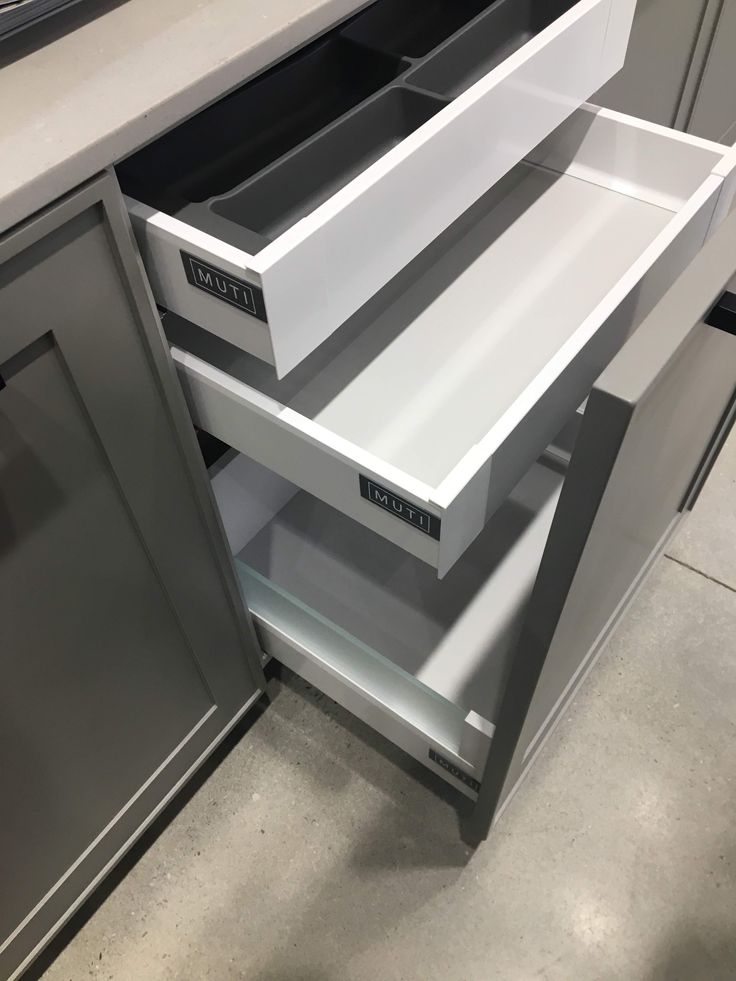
pixel 658 61
pixel 666 439
pixel 591 466
pixel 125 647
pixel 648 431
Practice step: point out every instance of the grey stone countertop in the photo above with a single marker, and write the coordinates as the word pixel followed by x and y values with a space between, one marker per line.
pixel 89 85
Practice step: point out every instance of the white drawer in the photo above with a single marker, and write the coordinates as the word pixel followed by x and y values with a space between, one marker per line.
pixel 422 661
pixel 272 217
pixel 419 416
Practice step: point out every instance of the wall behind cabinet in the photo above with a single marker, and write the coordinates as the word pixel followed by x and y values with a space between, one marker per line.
pixel 663 41
pixel 714 113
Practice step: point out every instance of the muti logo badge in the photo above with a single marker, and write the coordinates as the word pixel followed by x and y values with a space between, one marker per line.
pixel 457 773
pixel 236 292
pixel 405 510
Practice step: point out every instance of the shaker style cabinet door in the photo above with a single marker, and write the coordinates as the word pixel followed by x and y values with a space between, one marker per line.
pixel 124 649
pixel 653 426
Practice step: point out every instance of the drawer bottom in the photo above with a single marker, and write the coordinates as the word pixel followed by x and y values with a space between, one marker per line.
pixel 420 660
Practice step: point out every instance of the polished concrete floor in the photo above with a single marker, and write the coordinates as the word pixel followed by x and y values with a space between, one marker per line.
pixel 315 852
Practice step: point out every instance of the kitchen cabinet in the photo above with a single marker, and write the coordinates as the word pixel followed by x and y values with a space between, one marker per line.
pixel 467 343
pixel 395 502
pixel 469 672
pixel 126 654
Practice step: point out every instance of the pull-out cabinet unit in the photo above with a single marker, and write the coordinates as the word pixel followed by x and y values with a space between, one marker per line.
pixel 469 674
pixel 271 217
pixel 497 383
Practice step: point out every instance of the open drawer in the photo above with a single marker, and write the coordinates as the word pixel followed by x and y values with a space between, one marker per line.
pixel 422 661
pixel 419 416
pixel 272 216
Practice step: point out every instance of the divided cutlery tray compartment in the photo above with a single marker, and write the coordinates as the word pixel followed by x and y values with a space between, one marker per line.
pixel 418 417
pixel 273 215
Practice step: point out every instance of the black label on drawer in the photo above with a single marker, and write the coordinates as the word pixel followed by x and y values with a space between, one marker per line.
pixel 456 772
pixel 236 292
pixel 386 499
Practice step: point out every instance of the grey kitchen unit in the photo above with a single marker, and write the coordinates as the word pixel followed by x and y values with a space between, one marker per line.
pixel 467 665
pixel 435 506
pixel 124 643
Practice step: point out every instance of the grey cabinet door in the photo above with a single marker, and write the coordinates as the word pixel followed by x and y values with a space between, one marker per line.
pixel 655 421
pixel 124 648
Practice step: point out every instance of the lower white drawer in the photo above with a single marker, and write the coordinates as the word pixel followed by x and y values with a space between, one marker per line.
pixel 419 415
pixel 421 661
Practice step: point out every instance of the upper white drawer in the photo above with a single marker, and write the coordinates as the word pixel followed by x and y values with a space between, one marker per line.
pixel 272 216
pixel 421 413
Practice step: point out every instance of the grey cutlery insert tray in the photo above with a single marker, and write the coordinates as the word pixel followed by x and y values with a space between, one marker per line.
pixel 253 164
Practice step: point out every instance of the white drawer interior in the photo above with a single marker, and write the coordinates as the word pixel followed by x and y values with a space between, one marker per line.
pixel 272 216
pixel 449 383
pixel 423 661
